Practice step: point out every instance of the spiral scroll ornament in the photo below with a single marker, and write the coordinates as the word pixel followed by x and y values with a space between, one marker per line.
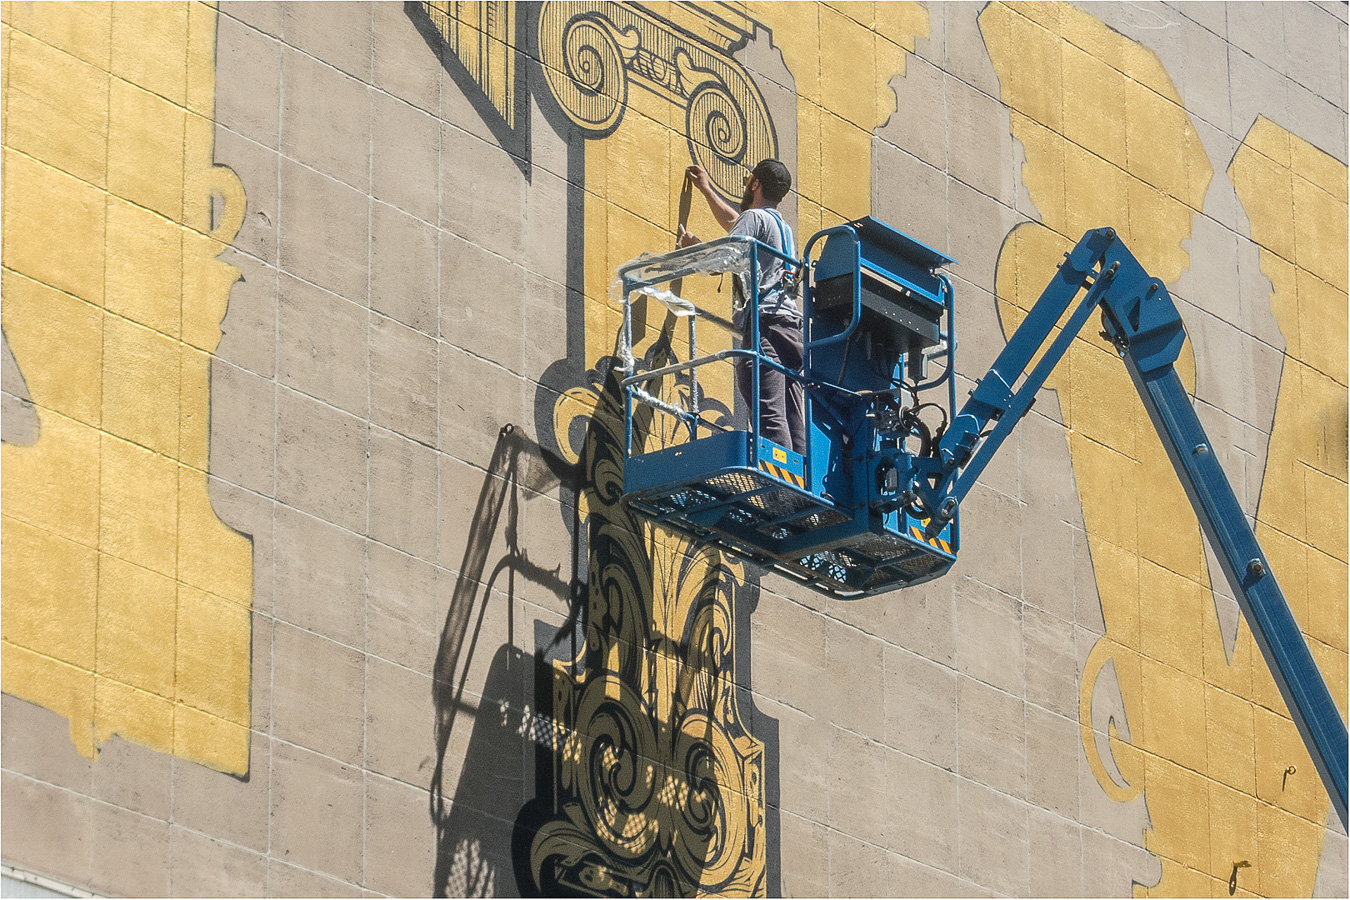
pixel 618 748
pixel 709 767
pixel 583 60
pixel 590 51
pixel 719 138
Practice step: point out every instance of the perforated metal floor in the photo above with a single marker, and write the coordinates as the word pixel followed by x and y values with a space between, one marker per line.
pixel 732 509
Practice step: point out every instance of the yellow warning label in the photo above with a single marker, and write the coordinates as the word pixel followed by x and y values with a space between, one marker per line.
pixel 779 455
pixel 783 474
pixel 937 542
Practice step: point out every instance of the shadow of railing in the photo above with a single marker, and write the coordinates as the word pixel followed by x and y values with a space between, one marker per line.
pixel 482 800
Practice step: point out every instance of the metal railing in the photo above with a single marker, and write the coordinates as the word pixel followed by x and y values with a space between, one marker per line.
pixel 736 255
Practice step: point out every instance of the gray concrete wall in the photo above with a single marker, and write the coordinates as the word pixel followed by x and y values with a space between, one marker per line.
pixel 428 618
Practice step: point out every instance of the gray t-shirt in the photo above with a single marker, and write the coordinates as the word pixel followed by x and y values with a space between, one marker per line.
pixel 767 227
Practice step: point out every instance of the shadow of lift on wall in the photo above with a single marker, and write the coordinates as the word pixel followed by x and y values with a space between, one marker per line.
pixel 474 825
pixel 572 834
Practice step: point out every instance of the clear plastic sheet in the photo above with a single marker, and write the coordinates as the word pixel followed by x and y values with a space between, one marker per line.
pixel 722 256
pixel 648 273
pixel 676 304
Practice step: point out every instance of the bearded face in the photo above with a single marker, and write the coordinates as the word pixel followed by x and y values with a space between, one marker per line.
pixel 749 196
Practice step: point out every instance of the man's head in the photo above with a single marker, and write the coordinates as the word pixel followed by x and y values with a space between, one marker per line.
pixel 774 183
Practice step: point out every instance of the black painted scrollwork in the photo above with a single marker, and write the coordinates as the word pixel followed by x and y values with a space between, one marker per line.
pixel 655 786
pixel 717 132
pixel 590 50
pixel 583 60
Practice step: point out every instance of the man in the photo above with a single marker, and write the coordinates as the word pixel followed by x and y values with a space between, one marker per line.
pixel 782 416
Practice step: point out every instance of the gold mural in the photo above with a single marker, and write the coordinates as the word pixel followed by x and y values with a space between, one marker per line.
pixel 126 600
pixel 842 58
pixel 1295 198
pixel 1108 142
pixel 659 788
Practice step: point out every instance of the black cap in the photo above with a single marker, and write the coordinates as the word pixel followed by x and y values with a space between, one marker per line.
pixel 774 179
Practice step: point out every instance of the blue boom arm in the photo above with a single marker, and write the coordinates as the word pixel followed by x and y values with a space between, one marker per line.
pixel 1142 322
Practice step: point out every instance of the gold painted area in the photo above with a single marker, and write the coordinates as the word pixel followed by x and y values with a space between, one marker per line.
pixel 842 57
pixel 1108 142
pixel 126 600
pixel 1211 739
pixel 690 820
pixel 1295 198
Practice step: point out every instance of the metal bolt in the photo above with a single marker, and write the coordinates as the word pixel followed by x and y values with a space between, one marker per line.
pixel 1256 568
pixel 1200 450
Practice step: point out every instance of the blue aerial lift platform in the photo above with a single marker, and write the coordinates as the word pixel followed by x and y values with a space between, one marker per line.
pixel 873 505
pixel 877 312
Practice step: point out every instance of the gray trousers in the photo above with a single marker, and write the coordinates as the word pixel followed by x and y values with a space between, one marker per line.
pixel 782 401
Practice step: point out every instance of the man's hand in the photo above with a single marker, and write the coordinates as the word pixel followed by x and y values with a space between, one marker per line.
pixel 722 211
pixel 685 238
pixel 699 178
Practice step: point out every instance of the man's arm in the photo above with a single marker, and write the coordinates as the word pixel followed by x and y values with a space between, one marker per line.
pixel 722 211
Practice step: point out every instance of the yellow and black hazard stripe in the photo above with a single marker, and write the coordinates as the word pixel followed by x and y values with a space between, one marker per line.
pixel 782 474
pixel 917 533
